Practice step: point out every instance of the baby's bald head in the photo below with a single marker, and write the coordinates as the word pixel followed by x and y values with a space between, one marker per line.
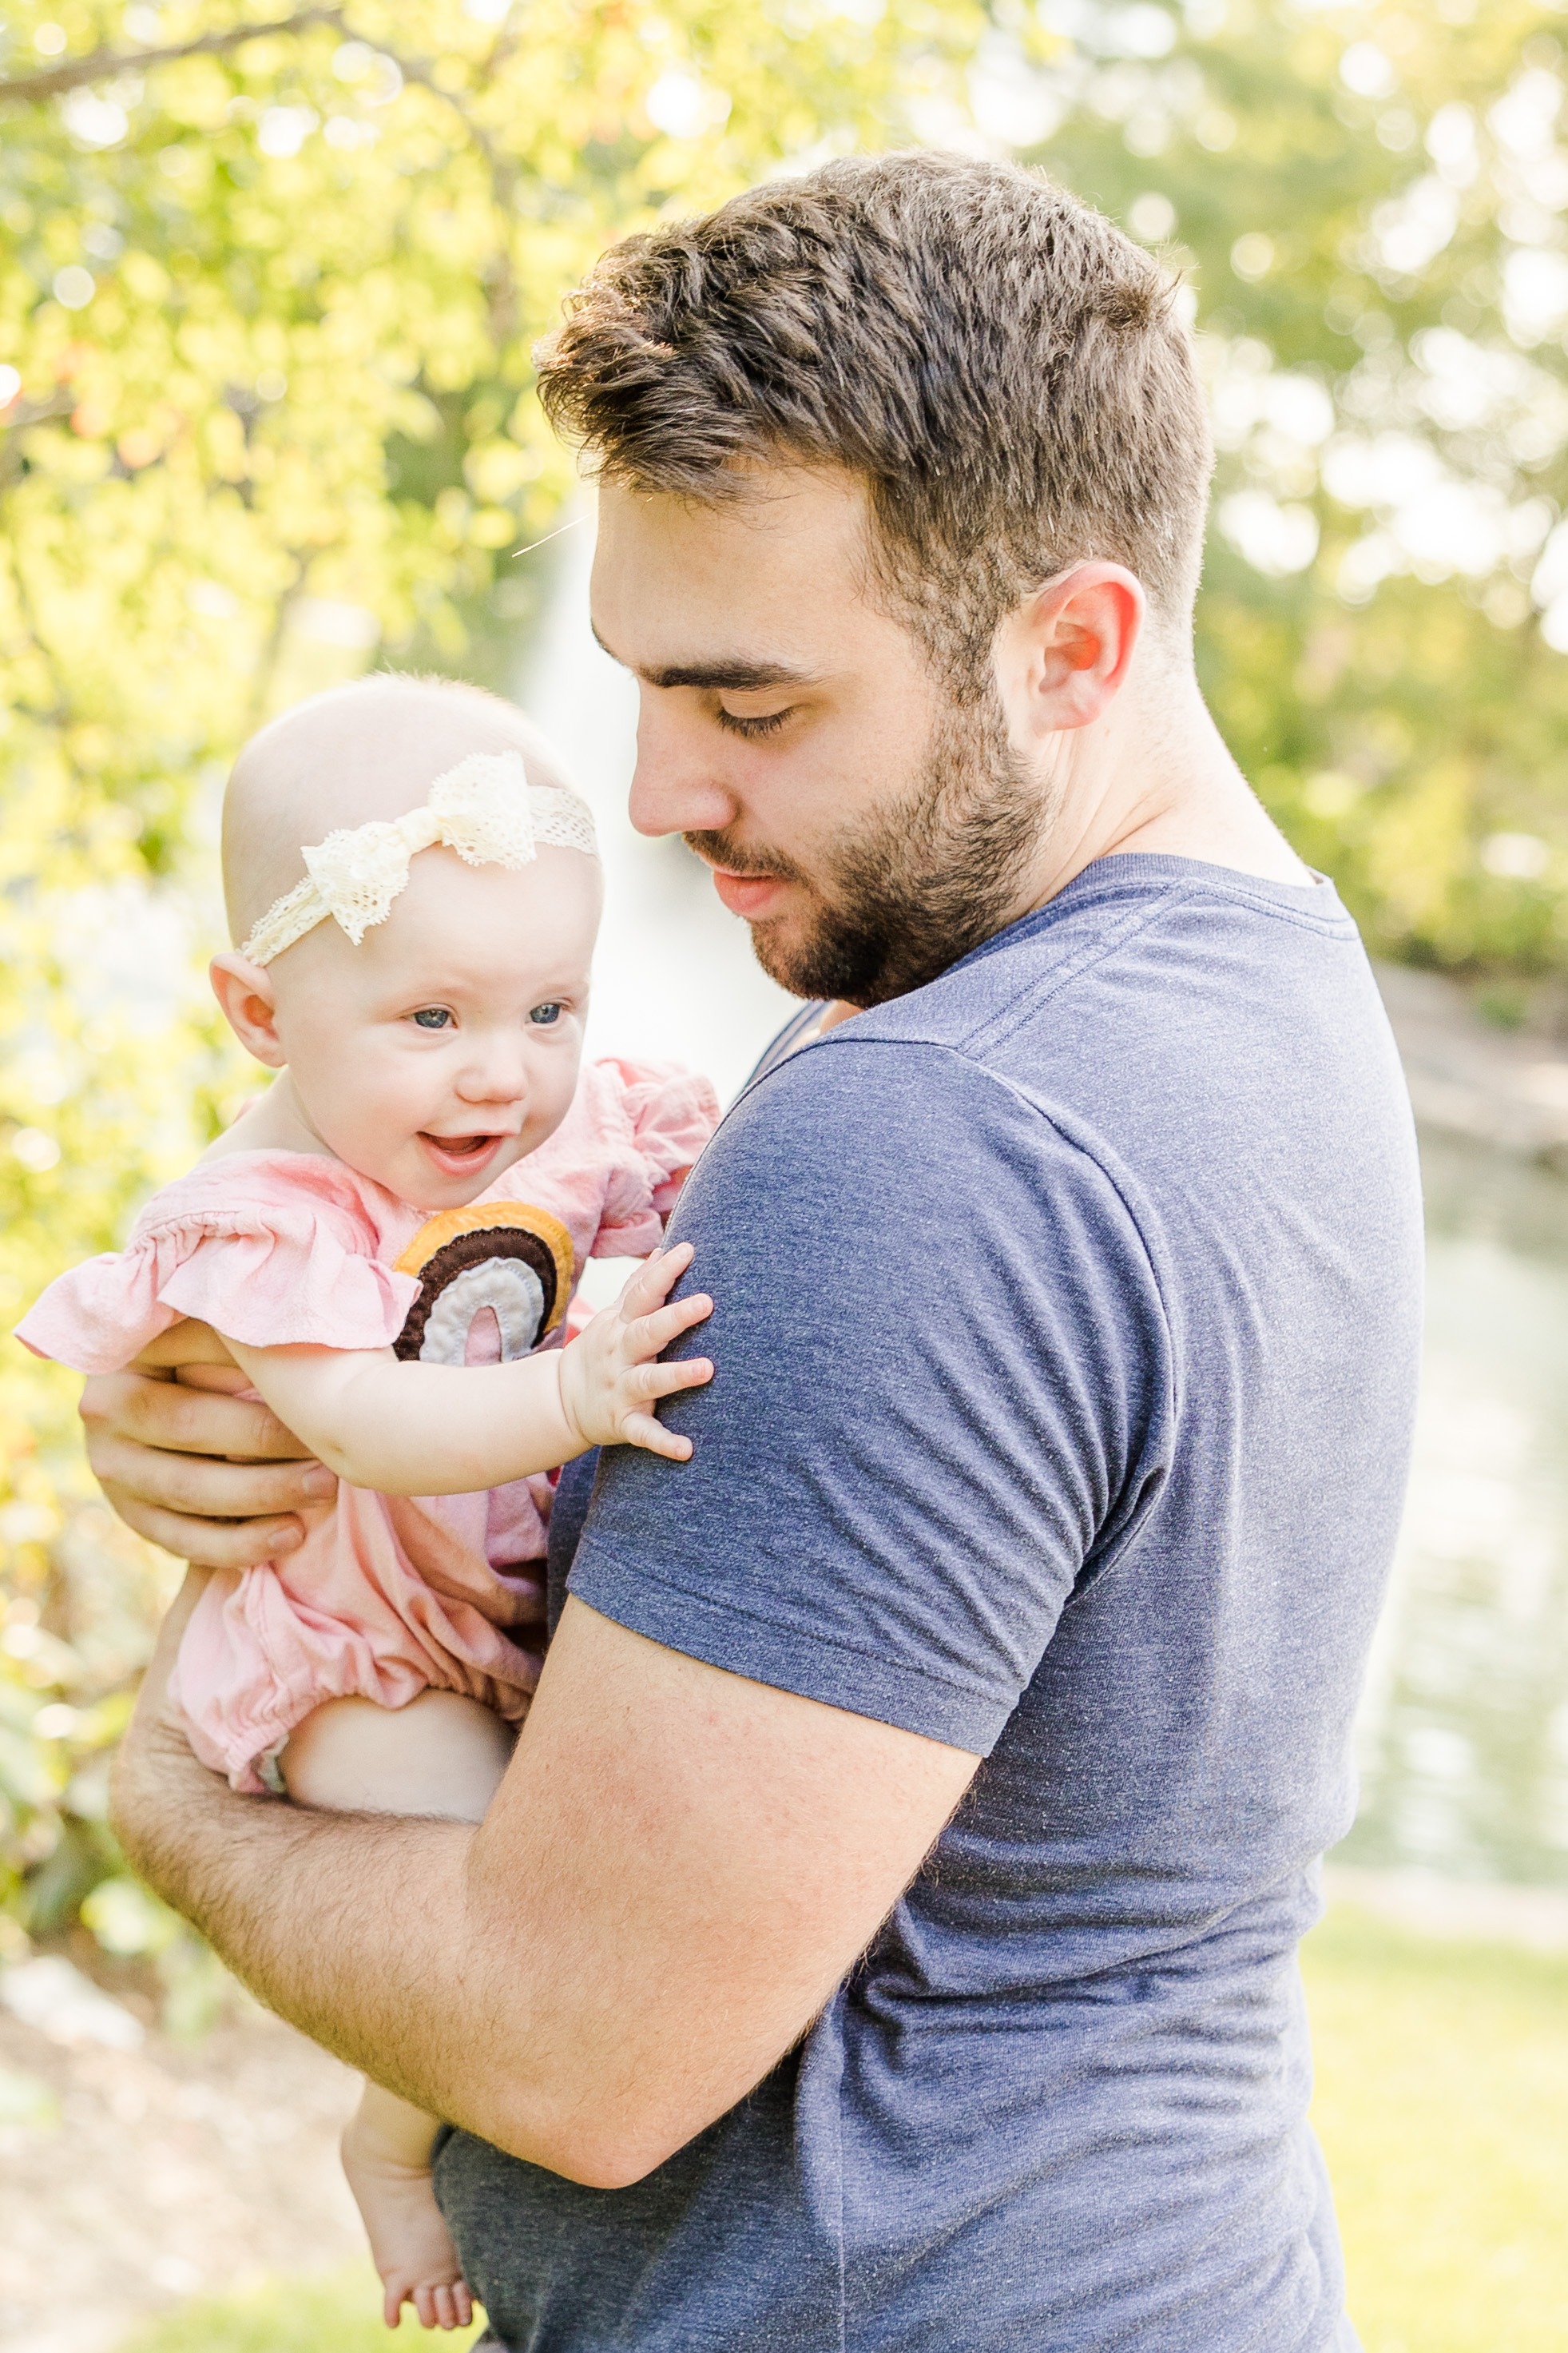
pixel 370 750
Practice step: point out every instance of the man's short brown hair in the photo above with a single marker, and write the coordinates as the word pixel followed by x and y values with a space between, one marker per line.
pixel 996 361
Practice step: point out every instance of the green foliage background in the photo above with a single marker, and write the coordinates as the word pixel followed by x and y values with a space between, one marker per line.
pixel 267 309
pixel 1368 202
pixel 268 288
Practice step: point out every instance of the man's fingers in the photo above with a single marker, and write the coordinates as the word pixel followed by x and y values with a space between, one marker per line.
pixel 642 1429
pixel 185 1344
pixel 208 1544
pixel 204 1489
pixel 177 1419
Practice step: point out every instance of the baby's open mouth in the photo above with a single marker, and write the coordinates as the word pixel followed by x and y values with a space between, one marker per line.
pixel 459 1149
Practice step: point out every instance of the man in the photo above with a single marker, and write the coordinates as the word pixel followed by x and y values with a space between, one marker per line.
pixel 885 1937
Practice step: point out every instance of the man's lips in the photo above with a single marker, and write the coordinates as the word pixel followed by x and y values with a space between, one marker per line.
pixel 750 895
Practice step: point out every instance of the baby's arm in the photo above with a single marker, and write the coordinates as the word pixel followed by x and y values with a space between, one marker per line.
pixel 447 1429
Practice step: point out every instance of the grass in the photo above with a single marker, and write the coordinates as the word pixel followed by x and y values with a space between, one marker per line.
pixel 1443 2106
pixel 339 2314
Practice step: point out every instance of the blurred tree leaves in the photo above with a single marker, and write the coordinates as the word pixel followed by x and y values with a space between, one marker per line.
pixel 1369 203
pixel 268 281
pixel 266 303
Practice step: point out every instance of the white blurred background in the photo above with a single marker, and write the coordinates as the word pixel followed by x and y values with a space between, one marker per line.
pixel 674 978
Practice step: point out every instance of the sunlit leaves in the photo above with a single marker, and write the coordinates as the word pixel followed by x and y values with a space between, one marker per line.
pixel 265 410
pixel 1369 205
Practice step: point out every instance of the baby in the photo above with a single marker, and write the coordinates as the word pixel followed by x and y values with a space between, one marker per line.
pixel 387 1241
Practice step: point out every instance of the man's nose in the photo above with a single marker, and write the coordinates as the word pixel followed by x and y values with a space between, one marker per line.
pixel 678 786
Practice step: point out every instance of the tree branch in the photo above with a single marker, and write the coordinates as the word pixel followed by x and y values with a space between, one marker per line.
pixel 63 714
pixel 100 65
pixel 16 421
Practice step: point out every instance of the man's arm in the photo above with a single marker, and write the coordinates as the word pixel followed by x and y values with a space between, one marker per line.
pixel 677 1870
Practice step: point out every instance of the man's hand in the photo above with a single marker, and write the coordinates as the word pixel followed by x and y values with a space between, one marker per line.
pixel 210 1475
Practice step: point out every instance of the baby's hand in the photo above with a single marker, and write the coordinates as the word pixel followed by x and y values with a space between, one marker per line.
pixel 609 1378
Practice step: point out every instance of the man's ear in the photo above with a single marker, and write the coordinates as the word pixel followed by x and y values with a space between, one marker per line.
pixel 1062 656
pixel 249 1004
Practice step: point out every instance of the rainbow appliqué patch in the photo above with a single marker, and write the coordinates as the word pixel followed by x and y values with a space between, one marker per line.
pixel 505 1259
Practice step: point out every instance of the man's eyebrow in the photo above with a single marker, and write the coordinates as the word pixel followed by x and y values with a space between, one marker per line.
pixel 733 676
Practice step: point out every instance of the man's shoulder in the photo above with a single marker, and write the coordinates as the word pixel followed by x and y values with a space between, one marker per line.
pixel 1137 955
pixel 882 1164
pixel 1163 1026
pixel 1150 976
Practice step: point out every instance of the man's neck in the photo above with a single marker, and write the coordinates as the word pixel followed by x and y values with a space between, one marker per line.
pixel 1155 777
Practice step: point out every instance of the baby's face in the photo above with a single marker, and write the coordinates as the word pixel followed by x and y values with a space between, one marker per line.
pixel 447 1045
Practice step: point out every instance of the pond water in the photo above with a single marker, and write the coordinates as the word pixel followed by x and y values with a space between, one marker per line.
pixel 1464 1734
pixel 1465 1726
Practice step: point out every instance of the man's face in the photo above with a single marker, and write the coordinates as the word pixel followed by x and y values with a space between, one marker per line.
pixel 867 828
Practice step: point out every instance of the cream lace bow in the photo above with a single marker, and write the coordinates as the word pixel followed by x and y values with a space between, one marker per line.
pixel 484 808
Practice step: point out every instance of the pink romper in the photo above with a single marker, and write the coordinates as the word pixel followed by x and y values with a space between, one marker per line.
pixel 388 1595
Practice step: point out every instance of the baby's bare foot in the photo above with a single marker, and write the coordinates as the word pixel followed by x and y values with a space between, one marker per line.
pixel 409 2241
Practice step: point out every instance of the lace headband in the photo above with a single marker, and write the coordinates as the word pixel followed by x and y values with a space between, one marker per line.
pixel 484 808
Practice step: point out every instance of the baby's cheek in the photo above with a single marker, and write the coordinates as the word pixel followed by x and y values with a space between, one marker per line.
pixel 550 1096
pixel 375 1108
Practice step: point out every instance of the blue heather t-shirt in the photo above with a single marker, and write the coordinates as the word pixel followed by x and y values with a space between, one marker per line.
pixel 1065 1337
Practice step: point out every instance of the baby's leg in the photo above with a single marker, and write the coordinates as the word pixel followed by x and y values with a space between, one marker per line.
pixel 386 2150
pixel 441 1755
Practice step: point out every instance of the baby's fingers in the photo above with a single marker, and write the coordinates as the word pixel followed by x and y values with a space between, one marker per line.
pixel 452 2307
pixel 668 1380
pixel 642 1429
pixel 654 1280
pixel 650 1334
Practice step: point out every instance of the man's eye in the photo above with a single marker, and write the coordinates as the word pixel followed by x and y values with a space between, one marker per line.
pixel 734 723
pixel 433 1017
pixel 543 1015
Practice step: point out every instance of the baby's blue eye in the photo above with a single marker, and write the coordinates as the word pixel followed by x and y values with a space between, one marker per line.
pixel 543 1015
pixel 433 1017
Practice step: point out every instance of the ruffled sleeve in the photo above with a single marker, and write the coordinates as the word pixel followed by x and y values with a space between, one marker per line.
pixel 669 1114
pixel 273 1273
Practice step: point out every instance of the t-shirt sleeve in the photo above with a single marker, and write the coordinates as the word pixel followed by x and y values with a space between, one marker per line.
pixel 942 1395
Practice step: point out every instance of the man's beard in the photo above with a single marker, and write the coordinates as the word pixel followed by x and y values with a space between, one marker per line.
pixel 924 880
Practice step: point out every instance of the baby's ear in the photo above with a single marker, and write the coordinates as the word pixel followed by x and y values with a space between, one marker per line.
pixel 249 1004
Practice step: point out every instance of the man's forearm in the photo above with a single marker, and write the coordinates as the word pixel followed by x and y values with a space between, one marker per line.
pixel 291 1900
pixel 675 1871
